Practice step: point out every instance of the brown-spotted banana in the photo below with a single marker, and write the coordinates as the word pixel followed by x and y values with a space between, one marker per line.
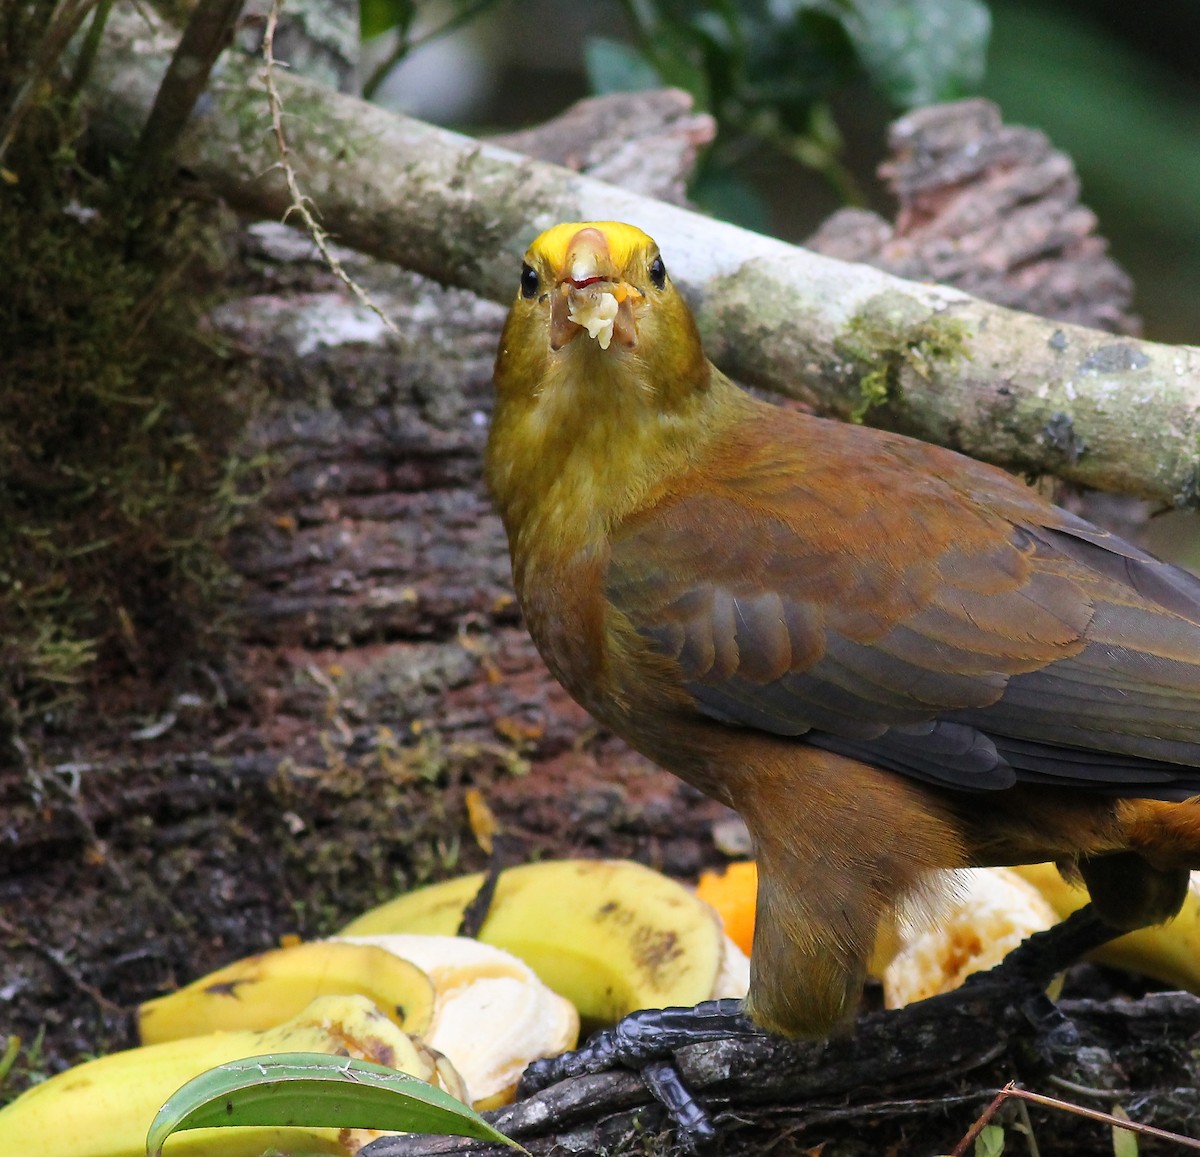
pixel 609 935
pixel 104 1107
pixel 264 990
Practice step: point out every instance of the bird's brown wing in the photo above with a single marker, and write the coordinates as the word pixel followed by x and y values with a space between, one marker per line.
pixel 918 611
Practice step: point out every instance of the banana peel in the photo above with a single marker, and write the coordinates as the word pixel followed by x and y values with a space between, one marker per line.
pixel 609 935
pixel 104 1107
pixel 493 1014
pixel 480 1006
pixel 1168 952
pixel 261 991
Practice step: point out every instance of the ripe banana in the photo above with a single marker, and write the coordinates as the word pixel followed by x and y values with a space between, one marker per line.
pixel 990 911
pixel 103 1108
pixel 493 1014
pixel 609 935
pixel 267 989
pixel 1168 952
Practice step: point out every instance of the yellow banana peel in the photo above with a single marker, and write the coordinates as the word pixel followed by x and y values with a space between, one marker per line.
pixel 265 990
pixel 493 1014
pixel 609 935
pixel 104 1107
pixel 1168 952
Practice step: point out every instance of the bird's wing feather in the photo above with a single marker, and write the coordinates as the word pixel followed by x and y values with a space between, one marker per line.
pixel 937 620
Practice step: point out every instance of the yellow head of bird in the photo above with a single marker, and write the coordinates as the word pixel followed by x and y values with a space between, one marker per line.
pixel 591 277
pixel 604 282
pixel 600 365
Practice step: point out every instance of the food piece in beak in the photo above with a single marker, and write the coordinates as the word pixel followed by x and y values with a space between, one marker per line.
pixel 603 308
pixel 596 312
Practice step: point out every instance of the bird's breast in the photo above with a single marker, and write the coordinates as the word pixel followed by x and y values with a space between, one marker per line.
pixel 561 600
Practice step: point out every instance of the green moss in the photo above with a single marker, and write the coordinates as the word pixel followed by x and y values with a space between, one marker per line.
pixel 119 418
pixel 893 332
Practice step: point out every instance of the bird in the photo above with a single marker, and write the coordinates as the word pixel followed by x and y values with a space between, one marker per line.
pixel 891 659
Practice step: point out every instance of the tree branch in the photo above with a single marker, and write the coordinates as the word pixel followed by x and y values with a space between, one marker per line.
pixel 949 1052
pixel 1037 396
pixel 206 34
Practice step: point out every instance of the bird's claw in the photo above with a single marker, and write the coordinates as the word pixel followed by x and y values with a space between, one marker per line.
pixel 693 1125
pixel 646 1042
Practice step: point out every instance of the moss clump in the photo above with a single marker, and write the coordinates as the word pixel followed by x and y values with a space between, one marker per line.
pixel 892 332
pixel 119 418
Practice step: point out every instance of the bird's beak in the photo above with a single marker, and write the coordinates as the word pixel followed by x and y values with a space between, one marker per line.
pixel 592 296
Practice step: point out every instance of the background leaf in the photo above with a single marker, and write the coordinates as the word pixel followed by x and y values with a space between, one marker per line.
pixel 616 67
pixel 921 51
pixel 376 17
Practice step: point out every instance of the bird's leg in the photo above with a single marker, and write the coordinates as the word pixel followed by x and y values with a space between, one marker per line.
pixel 646 1041
pixel 1037 960
pixel 1022 977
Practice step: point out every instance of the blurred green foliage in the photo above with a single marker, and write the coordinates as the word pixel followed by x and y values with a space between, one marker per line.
pixel 377 17
pixel 1131 126
pixel 767 69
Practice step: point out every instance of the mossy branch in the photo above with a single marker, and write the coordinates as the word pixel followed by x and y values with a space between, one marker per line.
pixel 205 36
pixel 1037 396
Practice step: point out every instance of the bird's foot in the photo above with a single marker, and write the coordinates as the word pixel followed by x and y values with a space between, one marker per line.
pixel 1035 962
pixel 646 1041
pixel 1023 976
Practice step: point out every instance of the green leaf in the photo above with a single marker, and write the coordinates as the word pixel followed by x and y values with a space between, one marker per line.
pixel 314 1090
pixel 921 51
pixel 615 67
pixel 1124 1141
pixel 990 1142
pixel 376 17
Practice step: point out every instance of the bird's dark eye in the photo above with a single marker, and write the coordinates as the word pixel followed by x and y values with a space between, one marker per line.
pixel 658 273
pixel 529 281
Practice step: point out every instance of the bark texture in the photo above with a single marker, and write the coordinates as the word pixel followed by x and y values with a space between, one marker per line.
pixel 992 209
pixel 1037 396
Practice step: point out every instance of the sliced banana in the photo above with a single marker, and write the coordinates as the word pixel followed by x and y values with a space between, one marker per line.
pixel 990 912
pixel 492 1014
